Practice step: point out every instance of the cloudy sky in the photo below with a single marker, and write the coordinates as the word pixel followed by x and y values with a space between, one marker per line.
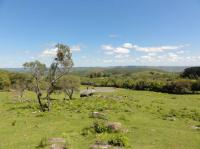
pixel 101 32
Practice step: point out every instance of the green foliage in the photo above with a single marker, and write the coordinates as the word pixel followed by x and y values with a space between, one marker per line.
pixel 4 81
pixel 179 87
pixel 69 84
pixel 100 127
pixel 149 81
pixel 192 73
pixel 196 86
pixel 118 140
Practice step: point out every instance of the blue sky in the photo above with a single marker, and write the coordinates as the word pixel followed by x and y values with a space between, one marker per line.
pixel 101 32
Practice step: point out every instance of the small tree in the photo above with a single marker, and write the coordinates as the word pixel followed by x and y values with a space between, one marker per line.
pixel 37 70
pixel 4 82
pixel 20 82
pixel 60 66
pixel 69 84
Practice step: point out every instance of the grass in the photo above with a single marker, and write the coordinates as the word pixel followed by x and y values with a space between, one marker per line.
pixel 146 116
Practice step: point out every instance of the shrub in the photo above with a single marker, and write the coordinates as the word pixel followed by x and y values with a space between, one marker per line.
pixel 156 86
pixel 142 85
pixel 178 87
pixel 192 73
pixel 4 82
pixel 118 140
pixel 196 86
pixel 100 127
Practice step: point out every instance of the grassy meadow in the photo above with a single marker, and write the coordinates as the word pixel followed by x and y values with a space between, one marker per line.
pixel 152 120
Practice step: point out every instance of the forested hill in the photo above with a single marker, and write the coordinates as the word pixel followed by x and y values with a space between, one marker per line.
pixel 116 69
pixel 125 69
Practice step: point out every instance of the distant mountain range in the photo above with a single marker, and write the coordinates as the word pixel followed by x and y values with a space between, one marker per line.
pixel 115 69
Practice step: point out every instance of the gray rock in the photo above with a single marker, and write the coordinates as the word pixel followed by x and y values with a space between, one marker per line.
pixel 197 127
pixel 57 143
pixel 115 126
pixel 88 92
pixel 57 146
pixel 97 115
pixel 100 145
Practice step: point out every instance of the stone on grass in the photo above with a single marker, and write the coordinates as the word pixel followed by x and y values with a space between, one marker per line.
pixel 57 143
pixel 100 145
pixel 114 126
pixel 57 146
pixel 171 118
pixel 196 127
pixel 97 115
pixel 87 93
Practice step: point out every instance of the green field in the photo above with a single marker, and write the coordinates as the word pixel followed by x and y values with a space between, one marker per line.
pixel 153 120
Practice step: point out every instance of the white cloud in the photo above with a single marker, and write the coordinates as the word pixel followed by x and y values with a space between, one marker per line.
pixel 126 47
pixel 155 54
pixel 180 52
pixel 113 36
pixel 121 56
pixel 173 57
pixel 109 52
pixel 75 48
pixel 121 50
pixel 114 50
pixel 107 47
pixel 164 58
pixel 129 46
pixel 49 52
pixel 158 49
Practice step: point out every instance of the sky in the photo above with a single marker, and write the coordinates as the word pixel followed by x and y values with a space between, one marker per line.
pixel 101 32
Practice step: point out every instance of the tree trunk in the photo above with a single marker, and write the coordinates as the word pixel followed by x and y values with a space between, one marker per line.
pixel 49 92
pixel 71 94
pixel 65 96
pixel 48 102
pixel 39 101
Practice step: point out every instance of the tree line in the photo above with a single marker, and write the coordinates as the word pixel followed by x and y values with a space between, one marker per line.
pixel 184 83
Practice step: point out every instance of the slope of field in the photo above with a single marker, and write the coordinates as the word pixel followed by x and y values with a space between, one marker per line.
pixel 153 120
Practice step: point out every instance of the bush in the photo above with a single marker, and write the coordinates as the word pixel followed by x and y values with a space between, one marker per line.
pixel 192 73
pixel 142 85
pixel 196 86
pixel 178 87
pixel 118 140
pixel 100 127
pixel 4 82
pixel 156 86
